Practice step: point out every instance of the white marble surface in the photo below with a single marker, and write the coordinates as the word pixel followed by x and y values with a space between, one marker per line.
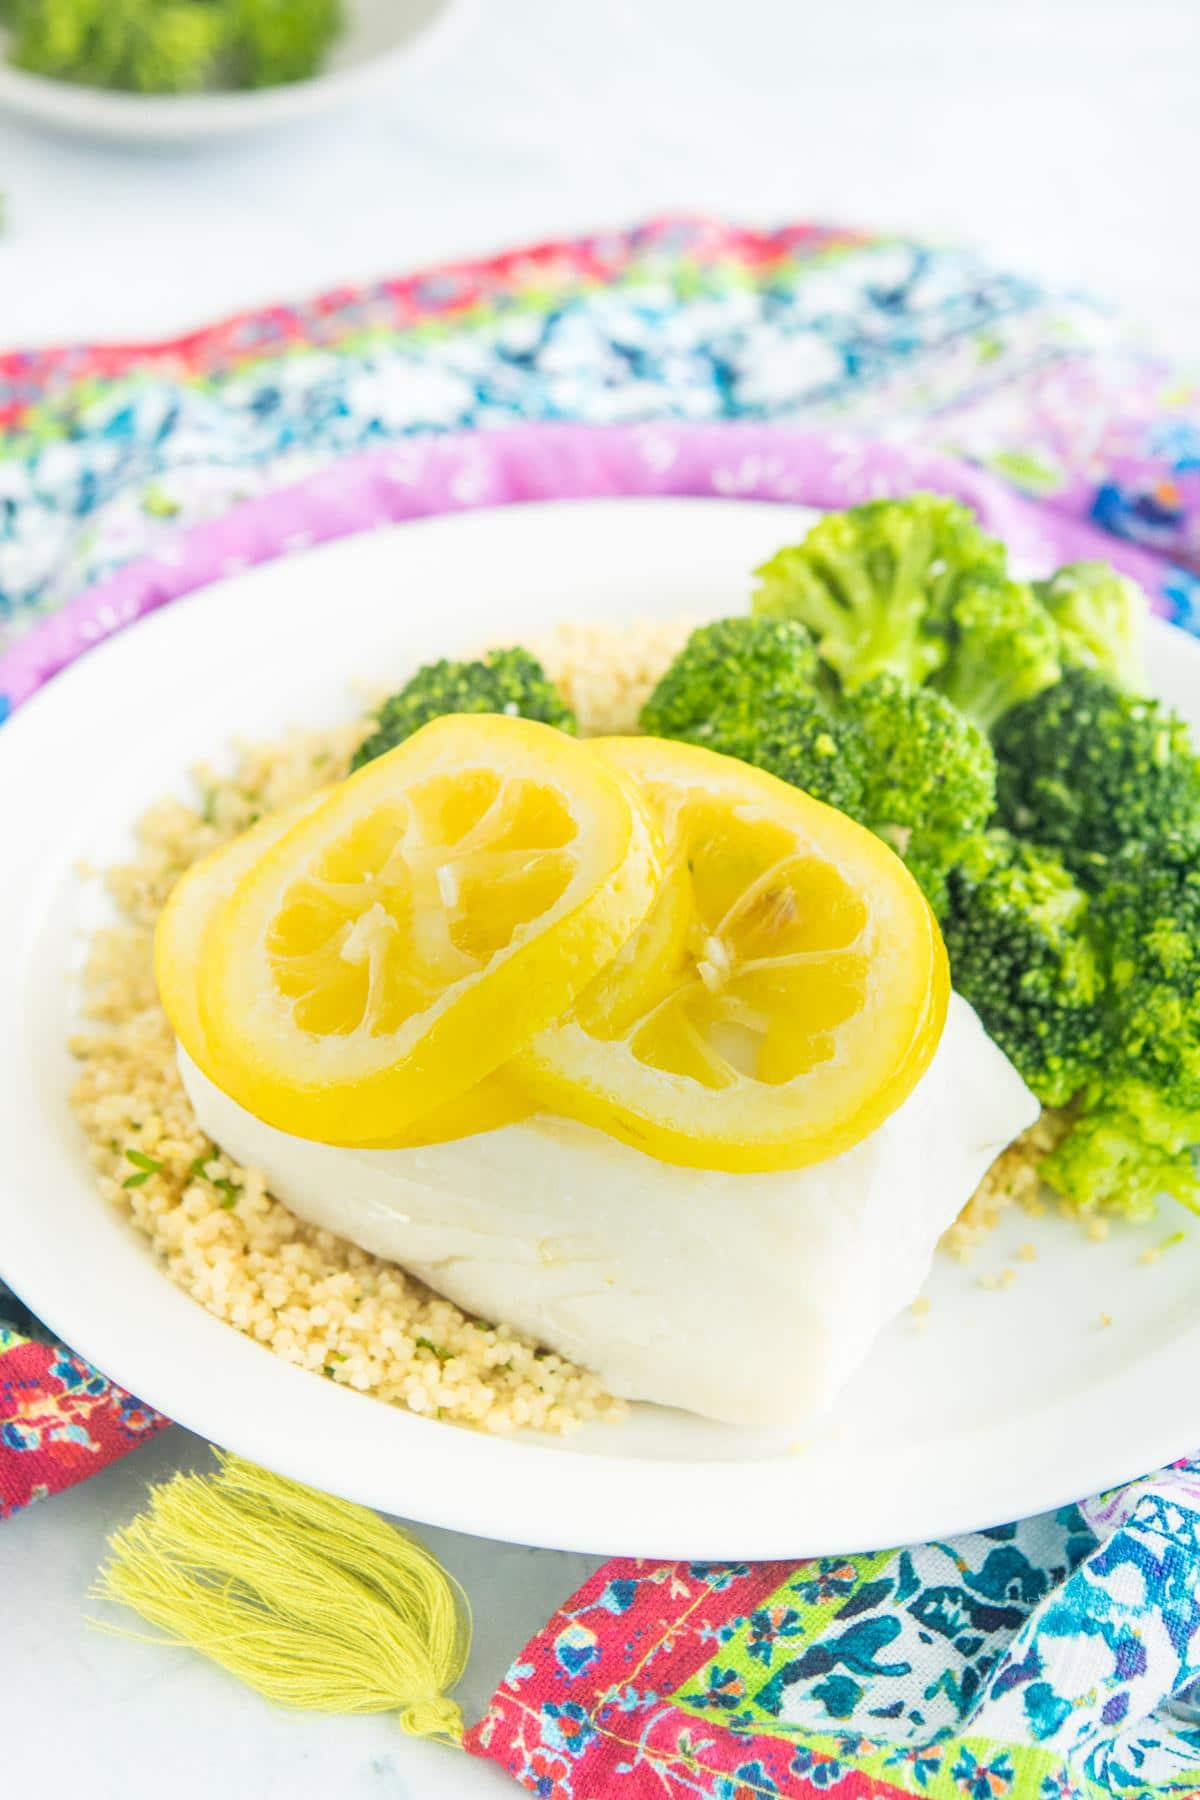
pixel 107 1718
pixel 1061 134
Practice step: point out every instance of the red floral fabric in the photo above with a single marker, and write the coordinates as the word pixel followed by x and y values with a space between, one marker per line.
pixel 59 1421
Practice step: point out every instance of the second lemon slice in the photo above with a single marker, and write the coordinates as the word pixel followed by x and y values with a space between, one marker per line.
pixel 410 933
pixel 801 1007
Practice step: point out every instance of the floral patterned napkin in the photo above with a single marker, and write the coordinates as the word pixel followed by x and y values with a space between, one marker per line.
pixel 1042 1661
pixel 105 451
pixel 60 1421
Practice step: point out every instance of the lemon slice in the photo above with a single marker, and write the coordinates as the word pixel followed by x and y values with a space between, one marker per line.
pixel 192 903
pixel 649 964
pixel 494 1102
pixel 424 922
pixel 807 1000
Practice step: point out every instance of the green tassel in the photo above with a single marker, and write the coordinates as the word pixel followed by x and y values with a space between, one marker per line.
pixel 315 1602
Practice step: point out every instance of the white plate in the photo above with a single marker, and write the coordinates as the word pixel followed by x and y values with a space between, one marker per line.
pixel 380 36
pixel 1009 1402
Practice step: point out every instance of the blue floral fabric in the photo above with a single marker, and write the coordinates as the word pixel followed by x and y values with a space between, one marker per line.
pixel 104 453
pixel 1054 1659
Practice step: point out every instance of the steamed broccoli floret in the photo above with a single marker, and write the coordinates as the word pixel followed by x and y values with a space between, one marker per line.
pixel 899 760
pixel 1021 948
pixel 930 771
pixel 1101 620
pixel 1139 1121
pixel 754 689
pixel 505 681
pixel 1003 649
pixel 929 861
pixel 744 670
pixel 930 777
pixel 1127 1148
pixel 1086 768
pixel 1151 911
pixel 874 584
pixel 902 761
pixel 811 748
pixel 1104 1010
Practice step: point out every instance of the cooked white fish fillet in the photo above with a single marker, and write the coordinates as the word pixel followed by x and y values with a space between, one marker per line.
pixel 748 1298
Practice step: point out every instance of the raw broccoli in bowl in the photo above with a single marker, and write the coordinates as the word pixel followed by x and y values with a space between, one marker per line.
pixel 172 46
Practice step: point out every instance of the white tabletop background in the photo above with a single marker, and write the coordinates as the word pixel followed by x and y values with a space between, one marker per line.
pixel 1062 135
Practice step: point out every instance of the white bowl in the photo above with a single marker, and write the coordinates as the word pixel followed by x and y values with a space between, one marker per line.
pixel 380 36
